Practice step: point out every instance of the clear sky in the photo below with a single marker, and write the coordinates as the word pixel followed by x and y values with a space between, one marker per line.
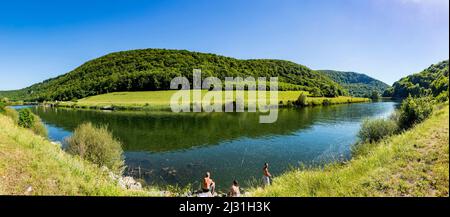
pixel 386 39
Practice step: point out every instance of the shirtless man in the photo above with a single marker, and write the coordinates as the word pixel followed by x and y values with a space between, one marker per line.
pixel 208 184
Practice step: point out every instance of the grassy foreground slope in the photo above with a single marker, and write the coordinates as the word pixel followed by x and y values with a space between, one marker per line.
pixel 31 165
pixel 414 163
pixel 161 99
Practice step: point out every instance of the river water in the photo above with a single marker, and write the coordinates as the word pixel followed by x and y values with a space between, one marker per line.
pixel 178 148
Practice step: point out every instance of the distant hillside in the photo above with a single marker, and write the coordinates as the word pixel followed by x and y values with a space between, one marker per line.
pixel 431 81
pixel 356 83
pixel 153 69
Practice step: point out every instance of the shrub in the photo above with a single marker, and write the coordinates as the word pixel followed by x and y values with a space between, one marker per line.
pixel 302 100
pixel 289 103
pixel 326 102
pixel 97 145
pixel 373 130
pixel 375 95
pixel 26 118
pixel 39 127
pixel 316 92
pixel 442 97
pixel 2 107
pixel 414 111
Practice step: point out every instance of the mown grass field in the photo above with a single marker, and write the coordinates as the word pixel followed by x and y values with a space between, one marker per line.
pixel 414 163
pixel 31 165
pixel 161 99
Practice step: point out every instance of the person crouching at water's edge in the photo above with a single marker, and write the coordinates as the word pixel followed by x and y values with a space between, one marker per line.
pixel 266 175
pixel 208 184
pixel 234 190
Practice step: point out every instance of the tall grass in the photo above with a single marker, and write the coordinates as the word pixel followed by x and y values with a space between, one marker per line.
pixel 9 112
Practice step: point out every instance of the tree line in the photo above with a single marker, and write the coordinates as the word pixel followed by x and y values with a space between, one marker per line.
pixel 153 69
pixel 432 81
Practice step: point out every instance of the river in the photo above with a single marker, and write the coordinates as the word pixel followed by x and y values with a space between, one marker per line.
pixel 168 148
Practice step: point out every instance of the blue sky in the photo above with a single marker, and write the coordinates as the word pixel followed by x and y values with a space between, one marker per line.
pixel 386 39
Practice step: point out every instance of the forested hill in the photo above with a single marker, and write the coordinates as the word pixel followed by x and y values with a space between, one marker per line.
pixel 431 81
pixel 153 69
pixel 356 83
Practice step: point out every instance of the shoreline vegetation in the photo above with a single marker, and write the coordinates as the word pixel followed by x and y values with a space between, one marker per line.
pixel 160 100
pixel 413 162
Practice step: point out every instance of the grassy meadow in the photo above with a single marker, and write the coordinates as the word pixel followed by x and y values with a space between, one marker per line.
pixel 413 163
pixel 161 99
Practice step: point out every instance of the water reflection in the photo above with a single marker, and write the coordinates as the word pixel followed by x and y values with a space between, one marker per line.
pixel 179 148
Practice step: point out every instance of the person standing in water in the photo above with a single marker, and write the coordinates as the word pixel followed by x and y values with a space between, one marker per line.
pixel 266 175
pixel 234 190
pixel 208 184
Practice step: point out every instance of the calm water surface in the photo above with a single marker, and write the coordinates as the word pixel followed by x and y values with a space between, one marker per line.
pixel 174 148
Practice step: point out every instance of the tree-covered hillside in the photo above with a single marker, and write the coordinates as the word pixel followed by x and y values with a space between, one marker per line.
pixel 431 81
pixel 153 69
pixel 356 83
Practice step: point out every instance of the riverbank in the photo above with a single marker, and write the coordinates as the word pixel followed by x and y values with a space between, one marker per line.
pixel 160 100
pixel 414 163
pixel 32 165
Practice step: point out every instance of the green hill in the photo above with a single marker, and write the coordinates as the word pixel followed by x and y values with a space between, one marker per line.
pixel 431 81
pixel 356 83
pixel 153 69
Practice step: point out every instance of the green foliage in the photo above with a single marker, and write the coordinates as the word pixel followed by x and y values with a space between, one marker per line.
pixel 357 84
pixel 3 103
pixel 153 69
pixel 315 92
pixel 97 145
pixel 431 81
pixel 39 127
pixel 442 97
pixel 389 92
pixel 302 100
pixel 2 107
pixel 414 111
pixel 26 118
pixel 326 102
pixel 373 130
pixel 375 95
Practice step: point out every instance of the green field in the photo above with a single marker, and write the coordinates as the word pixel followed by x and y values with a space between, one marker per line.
pixel 414 163
pixel 161 99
